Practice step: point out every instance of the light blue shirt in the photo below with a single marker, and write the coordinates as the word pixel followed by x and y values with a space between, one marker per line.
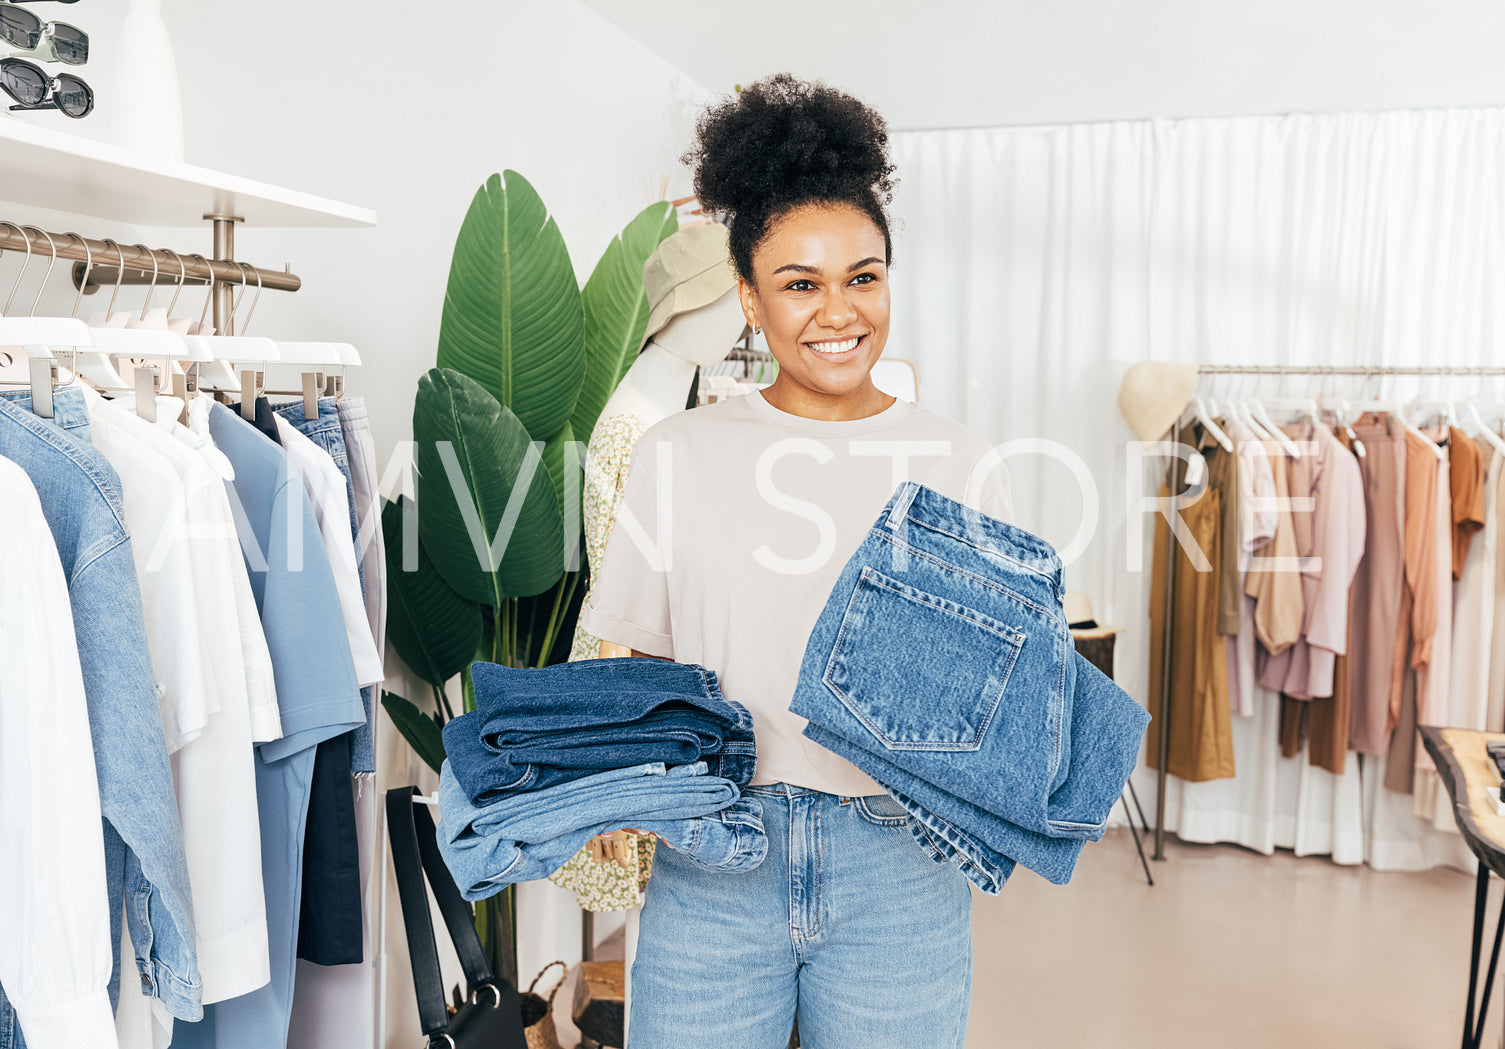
pixel 317 698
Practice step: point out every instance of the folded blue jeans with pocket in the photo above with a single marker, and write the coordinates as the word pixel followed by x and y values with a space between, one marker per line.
pixel 524 837
pixel 538 728
pixel 942 666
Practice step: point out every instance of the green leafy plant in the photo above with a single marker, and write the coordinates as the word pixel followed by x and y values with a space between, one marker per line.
pixel 487 564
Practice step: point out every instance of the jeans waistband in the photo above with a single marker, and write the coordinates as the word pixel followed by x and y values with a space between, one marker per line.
pixel 786 790
pixel 1004 545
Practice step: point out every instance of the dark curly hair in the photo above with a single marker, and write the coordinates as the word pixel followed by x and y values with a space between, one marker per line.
pixel 783 143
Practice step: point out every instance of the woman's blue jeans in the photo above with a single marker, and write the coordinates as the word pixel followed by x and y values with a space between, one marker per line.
pixel 848 923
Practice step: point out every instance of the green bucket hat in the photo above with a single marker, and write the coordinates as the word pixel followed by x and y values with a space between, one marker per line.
pixel 691 268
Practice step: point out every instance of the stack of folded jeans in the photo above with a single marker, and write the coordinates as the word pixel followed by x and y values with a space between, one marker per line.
pixel 552 757
pixel 942 665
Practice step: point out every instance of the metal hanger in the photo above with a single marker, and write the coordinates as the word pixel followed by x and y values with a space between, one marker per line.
pixel 228 351
pixel 37 336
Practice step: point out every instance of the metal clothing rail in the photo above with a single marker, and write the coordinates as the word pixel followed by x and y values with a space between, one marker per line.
pixel 1167 639
pixel 109 263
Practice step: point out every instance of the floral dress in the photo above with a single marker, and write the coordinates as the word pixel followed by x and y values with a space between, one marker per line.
pixel 606 886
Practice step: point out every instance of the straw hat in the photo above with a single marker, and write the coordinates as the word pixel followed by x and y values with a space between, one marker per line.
pixel 691 268
pixel 1153 395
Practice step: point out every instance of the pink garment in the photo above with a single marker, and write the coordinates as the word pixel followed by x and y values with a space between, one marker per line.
pixel 1434 680
pixel 1256 521
pixel 1330 541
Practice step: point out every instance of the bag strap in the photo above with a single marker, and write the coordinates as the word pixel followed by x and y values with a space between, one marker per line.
pixel 415 852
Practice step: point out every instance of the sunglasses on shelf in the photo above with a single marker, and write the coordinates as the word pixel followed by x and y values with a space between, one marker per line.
pixel 42 40
pixel 33 88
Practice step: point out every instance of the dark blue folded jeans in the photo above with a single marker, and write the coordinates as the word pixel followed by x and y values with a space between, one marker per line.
pixel 942 666
pixel 537 728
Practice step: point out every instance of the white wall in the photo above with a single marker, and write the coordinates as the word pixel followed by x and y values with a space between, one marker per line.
pixel 984 63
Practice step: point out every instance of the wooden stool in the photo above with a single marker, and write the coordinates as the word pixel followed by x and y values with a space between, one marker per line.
pixel 598 1005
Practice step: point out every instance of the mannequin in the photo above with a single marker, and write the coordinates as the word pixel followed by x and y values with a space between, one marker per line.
pixel 658 382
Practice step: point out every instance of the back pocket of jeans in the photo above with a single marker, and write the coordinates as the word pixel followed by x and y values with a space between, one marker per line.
pixel 920 671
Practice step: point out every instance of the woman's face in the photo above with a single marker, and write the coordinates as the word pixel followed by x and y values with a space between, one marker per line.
pixel 821 298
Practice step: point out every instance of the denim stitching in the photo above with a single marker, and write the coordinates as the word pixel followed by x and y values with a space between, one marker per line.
pixel 818 899
pixel 1058 710
pixel 875 578
pixel 860 804
pixel 981 580
pixel 889 744
pixel 50 434
pixel 1049 574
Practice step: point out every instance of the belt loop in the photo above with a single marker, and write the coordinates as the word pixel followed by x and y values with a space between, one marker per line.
pixel 903 498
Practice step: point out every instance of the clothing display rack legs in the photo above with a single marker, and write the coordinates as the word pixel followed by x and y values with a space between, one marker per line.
pixel 1167 641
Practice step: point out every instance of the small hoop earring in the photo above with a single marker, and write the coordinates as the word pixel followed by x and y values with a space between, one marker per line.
pixel 756 329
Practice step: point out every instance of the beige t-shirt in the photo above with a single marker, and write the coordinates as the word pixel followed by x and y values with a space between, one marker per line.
pixel 738 519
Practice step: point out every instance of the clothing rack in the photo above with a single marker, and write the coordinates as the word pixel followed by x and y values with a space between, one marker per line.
pixel 105 263
pixel 1167 640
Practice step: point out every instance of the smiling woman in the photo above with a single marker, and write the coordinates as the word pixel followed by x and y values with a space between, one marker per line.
pixel 753 505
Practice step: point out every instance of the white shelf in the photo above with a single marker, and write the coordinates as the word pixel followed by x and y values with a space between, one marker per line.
pixel 40 167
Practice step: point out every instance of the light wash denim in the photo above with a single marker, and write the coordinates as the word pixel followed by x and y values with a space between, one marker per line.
pixel 942 665
pixel 847 924
pixel 524 837
pixel 146 872
pixel 325 431
pixel 538 728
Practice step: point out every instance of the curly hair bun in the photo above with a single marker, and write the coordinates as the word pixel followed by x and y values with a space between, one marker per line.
pixel 781 143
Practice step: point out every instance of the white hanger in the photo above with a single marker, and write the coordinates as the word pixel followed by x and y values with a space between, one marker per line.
pixel 115 339
pixel 38 335
pixel 1204 417
pixel 1398 410
pixel 1257 409
pixel 251 353
pixel 1492 438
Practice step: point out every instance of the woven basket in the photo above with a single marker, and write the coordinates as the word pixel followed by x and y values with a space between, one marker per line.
pixel 538 1012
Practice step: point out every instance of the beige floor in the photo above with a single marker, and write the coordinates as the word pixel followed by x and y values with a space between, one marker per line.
pixel 1228 949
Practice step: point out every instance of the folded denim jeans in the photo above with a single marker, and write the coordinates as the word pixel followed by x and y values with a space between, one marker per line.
pixel 537 728
pixel 942 666
pixel 524 837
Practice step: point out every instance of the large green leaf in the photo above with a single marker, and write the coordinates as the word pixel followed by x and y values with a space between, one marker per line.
pixel 433 629
pixel 565 460
pixel 512 318
pixel 616 311
pixel 419 729
pixel 488 514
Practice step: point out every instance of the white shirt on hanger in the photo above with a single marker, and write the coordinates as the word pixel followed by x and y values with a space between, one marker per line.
pixel 214 774
pixel 325 486
pixel 155 504
pixel 55 954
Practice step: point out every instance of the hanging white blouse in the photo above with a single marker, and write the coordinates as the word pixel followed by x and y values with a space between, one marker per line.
pixel 215 774
pixel 154 506
pixel 55 956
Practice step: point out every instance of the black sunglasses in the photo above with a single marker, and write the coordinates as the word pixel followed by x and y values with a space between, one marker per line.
pixel 31 87
pixel 25 30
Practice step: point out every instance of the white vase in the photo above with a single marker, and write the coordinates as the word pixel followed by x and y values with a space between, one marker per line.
pixel 145 102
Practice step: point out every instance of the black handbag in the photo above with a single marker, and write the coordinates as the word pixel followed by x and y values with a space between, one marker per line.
pixel 490 1017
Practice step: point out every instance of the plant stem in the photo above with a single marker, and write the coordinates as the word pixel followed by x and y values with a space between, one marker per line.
pixel 561 600
pixel 441 700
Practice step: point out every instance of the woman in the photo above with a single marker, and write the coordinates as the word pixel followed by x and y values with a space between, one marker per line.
pixel 737 519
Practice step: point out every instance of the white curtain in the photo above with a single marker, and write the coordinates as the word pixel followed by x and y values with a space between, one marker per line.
pixel 1034 265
